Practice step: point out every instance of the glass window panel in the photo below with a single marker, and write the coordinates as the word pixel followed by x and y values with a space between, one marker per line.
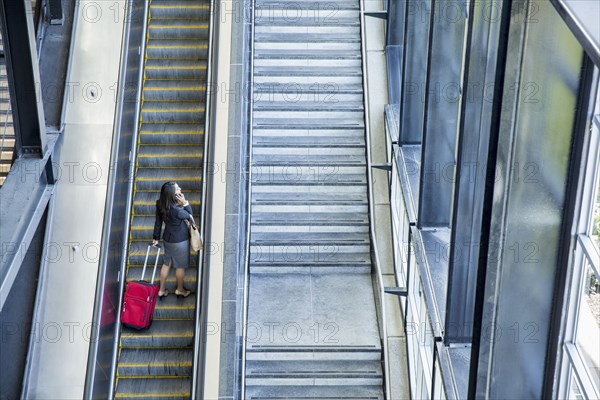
pixel 575 392
pixel 596 215
pixel 588 324
pixel 438 390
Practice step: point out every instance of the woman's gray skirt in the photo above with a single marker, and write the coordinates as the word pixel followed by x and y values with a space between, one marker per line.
pixel 178 252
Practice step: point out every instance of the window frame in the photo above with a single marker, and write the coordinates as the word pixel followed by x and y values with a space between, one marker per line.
pixel 586 253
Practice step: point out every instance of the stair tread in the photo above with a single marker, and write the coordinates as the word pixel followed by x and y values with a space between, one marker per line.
pixel 329 367
pixel 314 301
pixel 314 123
pixel 307 106
pixel 308 198
pixel 306 21
pixel 306 54
pixel 301 238
pixel 305 392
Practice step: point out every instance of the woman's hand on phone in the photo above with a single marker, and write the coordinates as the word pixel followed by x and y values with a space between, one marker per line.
pixel 181 199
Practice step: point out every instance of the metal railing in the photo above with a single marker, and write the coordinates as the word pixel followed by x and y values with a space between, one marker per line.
pixel 130 189
pixel 248 208
pixel 372 231
pixel 203 268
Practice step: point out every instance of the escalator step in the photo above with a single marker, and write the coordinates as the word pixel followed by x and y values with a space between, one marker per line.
pixel 177 49
pixel 176 9
pixel 172 333
pixel 175 90
pixel 154 388
pixel 170 156
pixel 155 362
pixel 175 69
pixel 177 29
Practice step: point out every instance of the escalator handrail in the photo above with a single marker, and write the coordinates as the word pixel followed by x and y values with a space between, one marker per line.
pixel 203 268
pixel 130 190
pixel 372 231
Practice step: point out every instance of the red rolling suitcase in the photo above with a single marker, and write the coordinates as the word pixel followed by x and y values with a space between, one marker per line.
pixel 140 299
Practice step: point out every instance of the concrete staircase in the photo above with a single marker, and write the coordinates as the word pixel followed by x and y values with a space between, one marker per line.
pixel 312 328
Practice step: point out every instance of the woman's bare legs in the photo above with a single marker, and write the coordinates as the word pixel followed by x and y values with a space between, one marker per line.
pixel 164 273
pixel 181 290
pixel 180 274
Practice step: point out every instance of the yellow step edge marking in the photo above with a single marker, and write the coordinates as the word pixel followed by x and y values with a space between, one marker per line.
pixel 157 335
pixel 174 111
pixel 150 395
pixel 169 179
pixel 157 364
pixel 159 347
pixel 169 155
pixel 170 58
pixel 177 26
pixel 169 319
pixel 150 145
pixel 168 133
pixel 176 88
pixel 202 46
pixel 177 67
pixel 154 376
pixel 173 123
pixel 201 6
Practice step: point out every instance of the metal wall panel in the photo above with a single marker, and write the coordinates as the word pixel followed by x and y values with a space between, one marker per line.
pixel 479 90
pixel 541 92
pixel 442 101
pixel 415 70
pixel 395 27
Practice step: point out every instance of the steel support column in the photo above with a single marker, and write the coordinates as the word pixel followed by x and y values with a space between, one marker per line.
pixel 22 68
pixel 476 122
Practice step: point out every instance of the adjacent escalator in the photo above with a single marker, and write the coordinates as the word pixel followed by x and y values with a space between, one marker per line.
pixel 157 362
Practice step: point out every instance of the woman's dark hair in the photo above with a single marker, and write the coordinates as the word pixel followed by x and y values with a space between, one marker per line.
pixel 167 198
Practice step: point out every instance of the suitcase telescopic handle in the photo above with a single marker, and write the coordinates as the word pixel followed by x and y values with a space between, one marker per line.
pixel 155 262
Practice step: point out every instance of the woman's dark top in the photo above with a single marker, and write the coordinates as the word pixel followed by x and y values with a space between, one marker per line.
pixel 175 228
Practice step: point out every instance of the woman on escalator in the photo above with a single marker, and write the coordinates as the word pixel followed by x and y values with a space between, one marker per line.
pixel 173 209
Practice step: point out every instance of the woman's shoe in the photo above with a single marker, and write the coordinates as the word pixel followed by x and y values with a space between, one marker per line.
pixel 163 294
pixel 184 293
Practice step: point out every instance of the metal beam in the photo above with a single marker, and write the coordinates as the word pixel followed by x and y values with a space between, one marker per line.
pixel 443 90
pixel 16 19
pixel 23 200
pixel 414 71
pixel 480 79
